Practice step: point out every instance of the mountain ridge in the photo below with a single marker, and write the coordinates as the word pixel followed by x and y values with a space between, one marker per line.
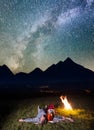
pixel 5 71
pixel 63 72
pixel 66 61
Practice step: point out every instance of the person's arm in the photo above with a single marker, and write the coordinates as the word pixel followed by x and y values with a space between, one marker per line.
pixel 38 109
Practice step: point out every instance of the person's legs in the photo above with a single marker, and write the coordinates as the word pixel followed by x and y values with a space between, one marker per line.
pixel 34 120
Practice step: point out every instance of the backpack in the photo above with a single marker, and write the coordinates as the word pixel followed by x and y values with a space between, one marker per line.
pixel 50 112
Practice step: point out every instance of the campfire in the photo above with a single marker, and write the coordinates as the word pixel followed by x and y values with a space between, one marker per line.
pixel 68 110
pixel 67 105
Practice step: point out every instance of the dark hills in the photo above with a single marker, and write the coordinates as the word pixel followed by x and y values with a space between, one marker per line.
pixel 69 70
pixel 5 72
pixel 67 73
pixel 37 73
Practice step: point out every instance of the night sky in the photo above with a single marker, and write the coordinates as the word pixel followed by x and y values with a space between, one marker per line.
pixel 39 33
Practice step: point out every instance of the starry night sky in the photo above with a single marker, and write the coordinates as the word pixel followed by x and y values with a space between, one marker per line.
pixel 39 33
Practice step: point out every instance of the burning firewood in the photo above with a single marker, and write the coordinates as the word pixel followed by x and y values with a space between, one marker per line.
pixel 67 105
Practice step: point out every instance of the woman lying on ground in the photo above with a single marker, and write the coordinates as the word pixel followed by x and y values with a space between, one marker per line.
pixel 39 119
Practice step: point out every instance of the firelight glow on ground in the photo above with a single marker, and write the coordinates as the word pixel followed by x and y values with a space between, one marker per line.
pixel 67 110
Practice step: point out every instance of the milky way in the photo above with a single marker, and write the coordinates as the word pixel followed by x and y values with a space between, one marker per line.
pixel 39 33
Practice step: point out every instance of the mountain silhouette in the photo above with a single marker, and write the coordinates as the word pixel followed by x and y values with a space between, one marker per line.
pixel 36 73
pixel 69 70
pixel 64 72
pixel 5 72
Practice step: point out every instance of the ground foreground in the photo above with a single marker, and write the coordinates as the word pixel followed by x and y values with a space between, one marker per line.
pixel 82 113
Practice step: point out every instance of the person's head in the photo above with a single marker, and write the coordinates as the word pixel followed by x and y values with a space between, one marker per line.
pixel 43 119
pixel 51 106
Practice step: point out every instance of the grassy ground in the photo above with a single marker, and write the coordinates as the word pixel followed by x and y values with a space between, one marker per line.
pixel 82 114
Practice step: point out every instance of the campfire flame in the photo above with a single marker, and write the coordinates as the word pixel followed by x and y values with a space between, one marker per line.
pixel 67 105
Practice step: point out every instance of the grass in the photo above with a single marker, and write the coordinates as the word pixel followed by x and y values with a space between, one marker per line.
pixel 82 114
